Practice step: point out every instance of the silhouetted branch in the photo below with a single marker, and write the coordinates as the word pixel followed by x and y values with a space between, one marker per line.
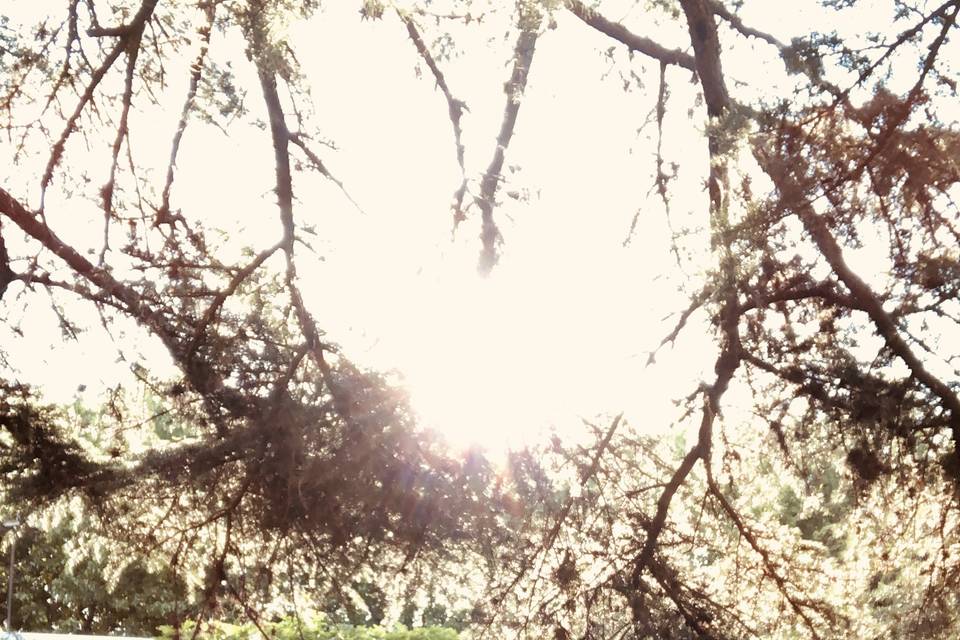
pixel 529 23
pixel 707 55
pixel 133 30
pixel 736 23
pixel 318 164
pixel 455 109
pixel 196 72
pixel 621 34
pixel 281 137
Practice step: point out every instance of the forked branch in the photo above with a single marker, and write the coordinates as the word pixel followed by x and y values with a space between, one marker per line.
pixel 455 108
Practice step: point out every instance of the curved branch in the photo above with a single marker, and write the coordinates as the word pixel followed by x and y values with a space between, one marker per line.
pixel 621 34
pixel 163 213
pixel 455 108
pixel 514 88
pixel 706 45
pixel 736 23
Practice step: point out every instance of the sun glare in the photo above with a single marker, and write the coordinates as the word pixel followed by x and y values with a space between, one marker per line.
pixel 490 364
pixel 562 328
pixel 499 362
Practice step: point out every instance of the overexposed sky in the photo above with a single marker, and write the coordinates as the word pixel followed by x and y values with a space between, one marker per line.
pixel 562 328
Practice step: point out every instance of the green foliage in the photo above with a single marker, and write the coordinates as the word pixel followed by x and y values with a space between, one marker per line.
pixel 824 522
pixel 312 628
pixel 804 56
pixel 221 97
pixel 39 458
pixel 7 41
pixel 67 582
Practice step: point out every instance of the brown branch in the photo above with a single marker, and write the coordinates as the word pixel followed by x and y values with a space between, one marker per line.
pixel 736 23
pixel 77 289
pixel 65 76
pixel 706 46
pixel 514 88
pixel 56 154
pixel 222 296
pixel 671 338
pixel 281 137
pixel 35 228
pixel 825 291
pixel 455 108
pixel 163 213
pixel 661 179
pixel 706 52
pixel 108 32
pixel 727 363
pixel 666 496
pixel 861 292
pixel 318 164
pixel 621 34
pixel 133 51
pixel 201 376
pixel 798 606
pixel 786 51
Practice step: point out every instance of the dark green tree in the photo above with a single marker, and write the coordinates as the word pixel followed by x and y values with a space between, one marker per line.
pixel 66 586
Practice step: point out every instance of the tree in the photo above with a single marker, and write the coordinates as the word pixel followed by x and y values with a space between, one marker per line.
pixel 851 372
pixel 67 586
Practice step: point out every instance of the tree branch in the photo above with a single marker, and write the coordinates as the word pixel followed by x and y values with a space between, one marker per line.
pixel 736 23
pixel 318 164
pixel 621 34
pixel 703 34
pixel 133 51
pixel 281 138
pixel 799 606
pixel 792 198
pixel 455 109
pixel 133 29
pixel 163 213
pixel 201 376
pixel 529 21
pixel 697 302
